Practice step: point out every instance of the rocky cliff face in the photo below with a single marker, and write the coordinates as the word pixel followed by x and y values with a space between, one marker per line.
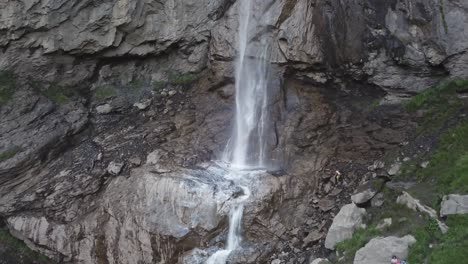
pixel 114 112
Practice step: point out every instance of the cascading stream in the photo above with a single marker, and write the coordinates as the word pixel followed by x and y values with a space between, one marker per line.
pixel 246 149
pixel 234 234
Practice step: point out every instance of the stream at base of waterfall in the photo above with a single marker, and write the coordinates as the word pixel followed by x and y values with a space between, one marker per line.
pixel 246 150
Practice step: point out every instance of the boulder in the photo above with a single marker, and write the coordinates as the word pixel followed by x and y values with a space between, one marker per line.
pixel 320 261
pixel 104 109
pixel 142 105
pixel 381 249
pixel 384 223
pixel 114 168
pixel 344 224
pixel 366 192
pixel 454 204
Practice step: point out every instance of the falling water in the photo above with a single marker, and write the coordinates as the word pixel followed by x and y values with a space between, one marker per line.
pixel 247 147
pixel 234 234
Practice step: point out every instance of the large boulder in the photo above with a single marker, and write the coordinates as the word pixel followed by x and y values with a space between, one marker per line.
pixel 454 204
pixel 380 250
pixel 344 224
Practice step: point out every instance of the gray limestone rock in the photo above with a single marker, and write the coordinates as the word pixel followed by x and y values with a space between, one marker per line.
pixel 320 261
pixel 115 167
pixel 344 224
pixel 104 109
pixel 454 204
pixel 380 250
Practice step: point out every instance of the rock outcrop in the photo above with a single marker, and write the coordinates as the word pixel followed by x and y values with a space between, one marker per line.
pixel 416 205
pixel 380 250
pixel 454 204
pixel 344 224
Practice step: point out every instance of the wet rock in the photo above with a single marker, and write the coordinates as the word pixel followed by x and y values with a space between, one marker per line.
pixel 114 167
pixel 344 224
pixel 454 204
pixel 380 250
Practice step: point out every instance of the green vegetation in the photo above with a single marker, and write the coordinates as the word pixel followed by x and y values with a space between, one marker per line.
pixel 360 238
pixel 175 78
pixel 182 78
pixel 137 84
pixel 21 249
pixel 159 85
pixel 442 14
pixel 10 153
pixel 449 164
pixel 104 92
pixel 439 104
pixel 447 169
pixel 436 248
pixel 7 87
pixel 57 93
pixel 437 96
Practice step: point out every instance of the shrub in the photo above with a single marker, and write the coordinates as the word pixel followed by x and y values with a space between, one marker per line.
pixel 9 153
pixel 7 87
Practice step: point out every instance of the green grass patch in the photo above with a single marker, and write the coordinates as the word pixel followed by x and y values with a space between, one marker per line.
pixel 360 238
pixel 56 93
pixel 7 86
pixel 436 248
pixel 182 78
pixel 159 85
pixel 137 84
pixel 10 153
pixel 21 249
pixel 104 92
pixel 439 103
pixel 448 165
pixel 436 96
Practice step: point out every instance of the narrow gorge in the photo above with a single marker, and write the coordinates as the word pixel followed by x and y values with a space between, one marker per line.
pixel 233 131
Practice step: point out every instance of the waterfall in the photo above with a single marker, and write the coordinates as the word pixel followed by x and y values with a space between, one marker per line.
pixel 234 234
pixel 246 149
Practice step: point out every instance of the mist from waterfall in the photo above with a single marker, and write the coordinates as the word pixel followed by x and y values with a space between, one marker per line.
pixel 246 148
